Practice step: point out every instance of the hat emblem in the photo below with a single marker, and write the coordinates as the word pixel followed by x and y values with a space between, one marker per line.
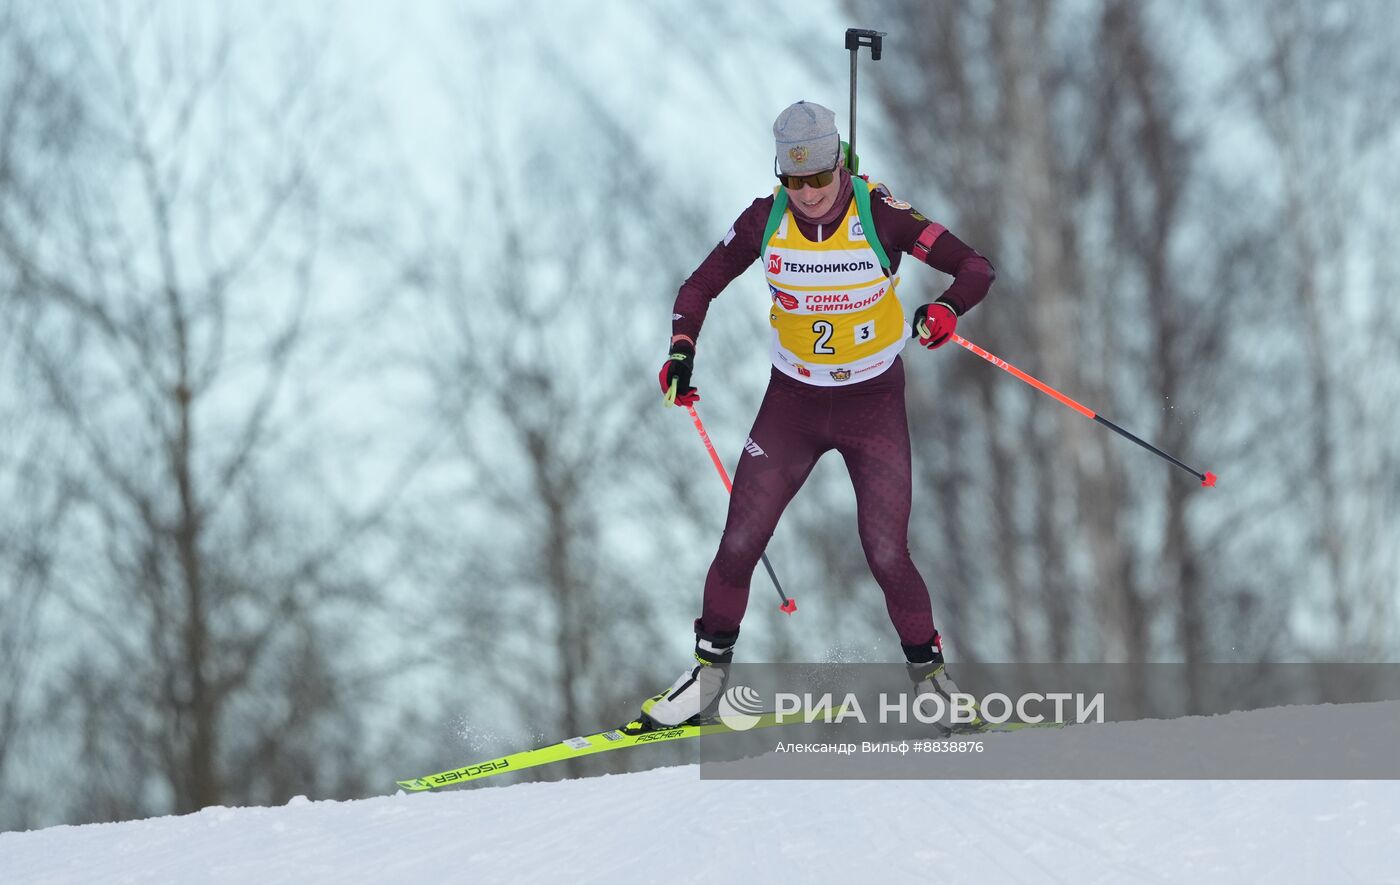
pixel 798 154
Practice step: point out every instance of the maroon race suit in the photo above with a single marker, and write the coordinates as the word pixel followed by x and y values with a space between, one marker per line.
pixel 865 421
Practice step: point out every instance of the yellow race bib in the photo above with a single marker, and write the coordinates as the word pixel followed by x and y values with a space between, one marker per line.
pixel 835 316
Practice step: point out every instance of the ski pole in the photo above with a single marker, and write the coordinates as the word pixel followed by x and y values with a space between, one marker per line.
pixel 789 605
pixel 1207 479
pixel 855 39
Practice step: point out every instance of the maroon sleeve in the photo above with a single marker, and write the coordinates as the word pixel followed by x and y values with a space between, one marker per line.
pixel 972 274
pixel 902 228
pixel 741 246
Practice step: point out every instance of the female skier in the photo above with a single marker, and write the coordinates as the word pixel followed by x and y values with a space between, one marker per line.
pixel 837 383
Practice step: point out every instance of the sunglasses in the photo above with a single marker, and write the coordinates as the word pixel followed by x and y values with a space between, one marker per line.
pixel 816 179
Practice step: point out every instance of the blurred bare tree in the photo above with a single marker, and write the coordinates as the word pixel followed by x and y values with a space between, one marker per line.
pixel 1315 85
pixel 39 119
pixel 164 272
pixel 550 544
pixel 1138 267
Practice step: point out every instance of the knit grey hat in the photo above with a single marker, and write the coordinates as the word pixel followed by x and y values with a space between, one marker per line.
pixel 806 139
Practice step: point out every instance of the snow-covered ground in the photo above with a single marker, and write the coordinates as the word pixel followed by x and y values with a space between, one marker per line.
pixel 669 825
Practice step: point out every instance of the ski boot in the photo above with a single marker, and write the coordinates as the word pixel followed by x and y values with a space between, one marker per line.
pixel 694 696
pixel 929 673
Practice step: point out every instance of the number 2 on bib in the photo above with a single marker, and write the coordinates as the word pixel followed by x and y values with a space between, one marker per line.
pixel 823 330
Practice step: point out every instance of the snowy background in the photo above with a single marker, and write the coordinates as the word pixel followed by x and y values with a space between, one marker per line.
pixel 330 452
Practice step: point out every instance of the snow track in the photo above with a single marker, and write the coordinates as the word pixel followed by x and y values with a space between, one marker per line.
pixel 668 825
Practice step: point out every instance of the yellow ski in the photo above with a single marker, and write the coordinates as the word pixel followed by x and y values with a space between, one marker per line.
pixel 586 745
pixel 619 738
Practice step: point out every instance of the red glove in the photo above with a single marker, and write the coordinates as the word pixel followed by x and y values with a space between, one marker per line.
pixel 675 375
pixel 934 324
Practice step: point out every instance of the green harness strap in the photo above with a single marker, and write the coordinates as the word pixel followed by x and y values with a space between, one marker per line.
pixel 867 221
